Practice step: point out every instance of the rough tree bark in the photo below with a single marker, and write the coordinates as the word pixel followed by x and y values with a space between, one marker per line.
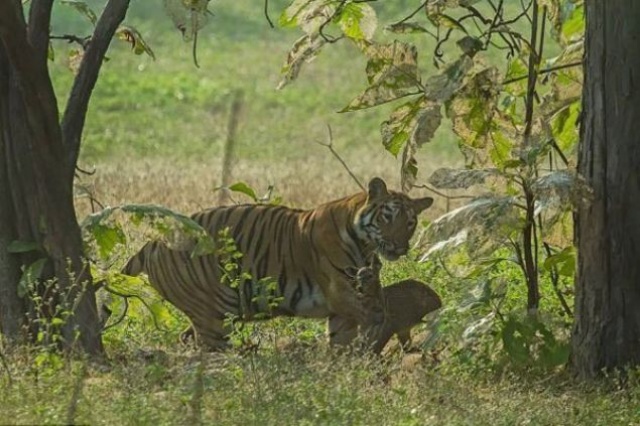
pixel 607 328
pixel 39 158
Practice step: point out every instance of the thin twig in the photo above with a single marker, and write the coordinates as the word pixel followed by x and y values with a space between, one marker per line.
pixel 442 194
pixel 556 148
pixel 122 315
pixel 266 13
pixel 329 145
pixel 412 14
pixel 545 71
pixel 71 38
pixel 144 302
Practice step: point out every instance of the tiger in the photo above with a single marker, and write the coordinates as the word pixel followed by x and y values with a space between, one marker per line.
pixel 305 252
pixel 405 303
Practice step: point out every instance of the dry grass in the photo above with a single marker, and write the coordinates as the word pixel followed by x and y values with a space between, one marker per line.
pixel 188 185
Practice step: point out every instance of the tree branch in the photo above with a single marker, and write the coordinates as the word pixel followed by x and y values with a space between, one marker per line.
pixel 38 28
pixel 85 81
pixel 36 90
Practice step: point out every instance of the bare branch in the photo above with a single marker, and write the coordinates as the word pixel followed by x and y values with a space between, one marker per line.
pixel 78 103
pixel 71 38
pixel 266 13
pixel 329 145
pixel 545 71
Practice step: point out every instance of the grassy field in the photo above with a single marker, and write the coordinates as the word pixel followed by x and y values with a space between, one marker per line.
pixel 155 134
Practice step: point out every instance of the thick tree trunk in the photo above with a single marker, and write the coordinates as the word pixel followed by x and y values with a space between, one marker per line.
pixel 607 328
pixel 40 177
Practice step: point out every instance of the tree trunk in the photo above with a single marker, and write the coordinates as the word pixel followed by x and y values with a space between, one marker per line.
pixel 12 307
pixel 607 329
pixel 40 177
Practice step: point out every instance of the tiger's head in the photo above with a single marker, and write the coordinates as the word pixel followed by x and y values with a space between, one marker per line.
pixel 388 219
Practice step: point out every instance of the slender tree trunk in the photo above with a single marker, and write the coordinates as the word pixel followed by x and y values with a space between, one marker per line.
pixel 11 307
pixel 607 328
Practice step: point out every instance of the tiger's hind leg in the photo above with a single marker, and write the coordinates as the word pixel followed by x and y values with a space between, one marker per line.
pixel 212 336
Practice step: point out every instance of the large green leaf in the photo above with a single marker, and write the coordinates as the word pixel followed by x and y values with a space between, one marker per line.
pixel 134 38
pixel 30 274
pixel 442 86
pixel 481 226
pixel 303 50
pixel 358 21
pixel 414 122
pixel 392 71
pixel 105 230
pixel 474 115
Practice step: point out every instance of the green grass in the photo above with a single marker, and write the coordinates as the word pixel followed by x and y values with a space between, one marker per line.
pixel 168 107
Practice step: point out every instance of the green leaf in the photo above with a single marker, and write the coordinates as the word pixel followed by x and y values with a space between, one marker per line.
pixel 565 126
pixel 188 16
pixel 107 238
pixel 290 17
pixel 30 274
pixel 303 50
pixel 83 8
pixel 406 28
pixel 470 45
pixel 358 21
pixel 415 122
pixel 134 38
pixel 245 189
pixel 23 246
pixel 104 229
pixel 515 342
pixel 392 71
pixel 441 87
pixel 564 261
pixel 573 25
pixel 309 15
pixel 474 114
pixel 51 54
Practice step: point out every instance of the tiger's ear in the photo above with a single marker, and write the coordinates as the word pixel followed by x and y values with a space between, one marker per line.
pixel 377 188
pixel 421 204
